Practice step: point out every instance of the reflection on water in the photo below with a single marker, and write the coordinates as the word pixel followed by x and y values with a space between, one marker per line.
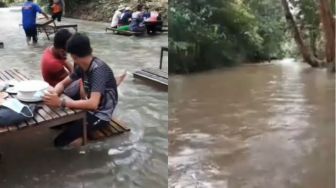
pixel 267 125
pixel 137 159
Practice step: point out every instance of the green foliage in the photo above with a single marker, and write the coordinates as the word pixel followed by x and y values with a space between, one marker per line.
pixel 210 34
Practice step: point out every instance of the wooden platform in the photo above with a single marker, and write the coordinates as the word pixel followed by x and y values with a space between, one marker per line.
pixel 154 76
pixel 126 33
pixel 115 128
pixel 48 117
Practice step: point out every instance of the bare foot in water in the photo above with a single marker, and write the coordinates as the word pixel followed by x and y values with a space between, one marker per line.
pixel 121 78
pixel 76 143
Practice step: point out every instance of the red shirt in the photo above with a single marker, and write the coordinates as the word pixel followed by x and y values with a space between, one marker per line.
pixel 52 68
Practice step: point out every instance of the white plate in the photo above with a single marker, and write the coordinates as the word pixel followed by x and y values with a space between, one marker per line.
pixel 11 90
pixel 28 100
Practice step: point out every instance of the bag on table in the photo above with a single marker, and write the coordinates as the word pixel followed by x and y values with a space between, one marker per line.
pixel 13 112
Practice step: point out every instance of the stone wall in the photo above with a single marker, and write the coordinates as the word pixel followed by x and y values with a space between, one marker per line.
pixel 102 10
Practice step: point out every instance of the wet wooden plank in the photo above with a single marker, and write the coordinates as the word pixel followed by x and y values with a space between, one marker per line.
pixel 127 33
pixel 156 72
pixel 11 76
pixel 151 77
pixel 50 112
pixel 44 114
pixel 4 76
pixel 73 26
pixel 22 74
pixel 120 124
pixel 16 75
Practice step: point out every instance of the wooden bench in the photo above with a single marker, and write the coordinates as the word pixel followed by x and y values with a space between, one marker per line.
pixel 154 75
pixel 48 117
pixel 126 33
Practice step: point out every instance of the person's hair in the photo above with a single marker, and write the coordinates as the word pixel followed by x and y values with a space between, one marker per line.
pixel 61 38
pixel 139 7
pixel 79 45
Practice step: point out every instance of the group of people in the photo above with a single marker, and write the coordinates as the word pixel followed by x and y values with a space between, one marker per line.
pixel 88 84
pixel 124 19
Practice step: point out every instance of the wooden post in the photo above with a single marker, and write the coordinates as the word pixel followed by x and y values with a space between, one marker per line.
pixel 84 130
pixel 160 67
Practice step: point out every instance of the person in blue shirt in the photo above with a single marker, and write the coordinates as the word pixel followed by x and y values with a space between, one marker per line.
pixel 29 11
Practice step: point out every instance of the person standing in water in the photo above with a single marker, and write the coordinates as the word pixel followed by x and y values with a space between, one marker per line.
pixel 29 11
pixel 57 10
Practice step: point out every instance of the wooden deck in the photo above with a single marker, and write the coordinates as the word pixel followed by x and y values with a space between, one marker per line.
pixel 126 33
pixel 49 117
pixel 153 76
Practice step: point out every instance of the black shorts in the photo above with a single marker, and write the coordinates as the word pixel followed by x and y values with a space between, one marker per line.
pixel 74 130
pixel 30 31
pixel 57 16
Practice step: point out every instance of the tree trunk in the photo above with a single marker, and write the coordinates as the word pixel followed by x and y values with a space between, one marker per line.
pixel 305 51
pixel 328 23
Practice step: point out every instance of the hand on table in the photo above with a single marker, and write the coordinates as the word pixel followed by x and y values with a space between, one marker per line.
pixel 52 99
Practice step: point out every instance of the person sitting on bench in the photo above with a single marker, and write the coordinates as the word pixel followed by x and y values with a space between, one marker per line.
pixel 100 88
pixel 125 20
pixel 154 22
pixel 54 64
pixel 146 13
pixel 137 23
pixel 117 16
pixel 29 11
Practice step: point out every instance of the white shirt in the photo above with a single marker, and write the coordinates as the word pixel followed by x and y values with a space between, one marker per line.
pixel 116 18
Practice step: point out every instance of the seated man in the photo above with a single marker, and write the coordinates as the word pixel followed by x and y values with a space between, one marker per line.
pixel 146 13
pixel 154 22
pixel 54 64
pixel 125 17
pixel 137 23
pixel 100 87
pixel 124 21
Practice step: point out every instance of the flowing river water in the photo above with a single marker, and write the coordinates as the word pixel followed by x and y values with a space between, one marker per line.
pixel 253 126
pixel 135 159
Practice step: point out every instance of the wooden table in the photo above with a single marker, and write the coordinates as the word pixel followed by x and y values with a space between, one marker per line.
pixel 45 116
pixel 49 27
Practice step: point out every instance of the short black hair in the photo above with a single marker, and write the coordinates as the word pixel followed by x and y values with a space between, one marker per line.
pixel 139 7
pixel 61 38
pixel 79 45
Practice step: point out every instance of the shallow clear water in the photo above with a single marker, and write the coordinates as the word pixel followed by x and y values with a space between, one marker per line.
pixel 136 159
pixel 253 126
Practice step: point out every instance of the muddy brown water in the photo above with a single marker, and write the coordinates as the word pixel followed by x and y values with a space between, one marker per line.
pixel 253 126
pixel 136 159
